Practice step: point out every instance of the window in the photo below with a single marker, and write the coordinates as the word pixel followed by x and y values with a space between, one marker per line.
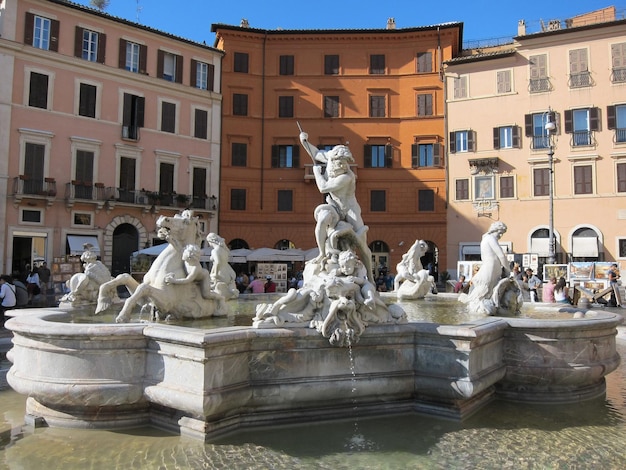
pixel 41 32
pixel 133 115
pixel 462 189
pixel 38 90
pixel 581 123
pixel 425 200
pixel 166 183
pixel 83 175
pixel 378 200
pixel 618 59
pixel 541 182
pixel 127 179
pixel 169 66
pixel 286 65
pixel 200 123
pixel 29 216
pixel 82 219
pixel 285 200
pixel 507 187
pixel 583 179
pixel 425 104
pixel 241 62
pixel 202 75
pixel 239 154
pixel 424 62
pixel 240 104
pixel 199 190
pixel 616 120
pixel 579 75
pixel 460 87
pixel 133 56
pixel 377 106
pixel 89 45
pixel 535 128
pixel 238 199
pixel 539 81
pixel 425 155
pixel 87 100
pixel 620 170
pixel 377 64
pixel 285 156
pixel 503 79
pixel 331 106
pixel 331 65
pixel 462 141
pixel 34 161
pixel 285 106
pixel 622 247
pixel 506 137
pixel 377 156
pixel 168 117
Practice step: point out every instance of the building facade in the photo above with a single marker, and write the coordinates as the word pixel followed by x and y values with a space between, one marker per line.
pixel 378 91
pixel 106 124
pixel 505 164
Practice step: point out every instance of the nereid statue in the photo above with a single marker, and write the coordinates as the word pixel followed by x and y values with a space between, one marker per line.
pixel 412 281
pixel 176 285
pixel 83 287
pixel 338 296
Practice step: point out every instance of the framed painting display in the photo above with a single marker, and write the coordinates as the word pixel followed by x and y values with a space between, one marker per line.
pixel 581 270
pixel 601 269
pixel 555 270
pixel 484 187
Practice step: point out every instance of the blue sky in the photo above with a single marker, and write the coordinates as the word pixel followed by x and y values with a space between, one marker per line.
pixel 192 19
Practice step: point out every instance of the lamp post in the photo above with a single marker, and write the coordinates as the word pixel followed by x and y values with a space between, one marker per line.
pixel 550 129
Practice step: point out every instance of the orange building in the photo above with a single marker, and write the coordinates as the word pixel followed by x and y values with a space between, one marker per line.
pixel 106 124
pixel 380 91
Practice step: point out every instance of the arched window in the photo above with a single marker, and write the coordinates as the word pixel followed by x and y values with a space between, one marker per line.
pixel 238 243
pixel 284 245
pixel 585 246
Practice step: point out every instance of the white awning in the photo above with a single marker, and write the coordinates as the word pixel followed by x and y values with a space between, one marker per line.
pixel 77 244
pixel 541 246
pixel 585 247
pixel 470 250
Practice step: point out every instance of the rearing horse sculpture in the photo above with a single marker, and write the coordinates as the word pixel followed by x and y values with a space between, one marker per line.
pixel 168 300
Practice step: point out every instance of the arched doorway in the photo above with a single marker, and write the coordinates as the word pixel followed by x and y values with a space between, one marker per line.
pixel 380 256
pixel 125 242
pixel 430 260
pixel 586 244
pixel 284 245
pixel 237 244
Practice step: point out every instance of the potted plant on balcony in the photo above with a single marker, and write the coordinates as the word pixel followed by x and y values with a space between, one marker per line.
pixel 182 200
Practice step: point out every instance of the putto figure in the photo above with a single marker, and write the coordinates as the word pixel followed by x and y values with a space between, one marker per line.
pixel 83 287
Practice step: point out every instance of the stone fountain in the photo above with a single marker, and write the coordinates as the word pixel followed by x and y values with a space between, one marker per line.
pixel 287 367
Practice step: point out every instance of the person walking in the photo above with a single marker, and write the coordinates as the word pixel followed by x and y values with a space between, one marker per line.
pixel 32 284
pixel 270 286
pixel 7 294
pixel 533 284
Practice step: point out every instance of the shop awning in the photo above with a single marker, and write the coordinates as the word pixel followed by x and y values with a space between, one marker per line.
pixel 77 244
pixel 585 247
pixel 541 246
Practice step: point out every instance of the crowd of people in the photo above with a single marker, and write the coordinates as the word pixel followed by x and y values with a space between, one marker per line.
pixel 20 290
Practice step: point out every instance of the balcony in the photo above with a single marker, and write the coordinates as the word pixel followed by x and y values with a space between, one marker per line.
pixel 85 191
pixel 582 139
pixel 540 142
pixel 539 85
pixel 27 187
pixel 618 75
pixel 580 80
pixel 620 136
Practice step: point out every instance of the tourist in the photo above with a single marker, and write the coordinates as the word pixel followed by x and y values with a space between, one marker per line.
pixel 44 278
pixel 242 282
pixel 613 276
pixel 460 284
pixel 7 294
pixel 547 293
pixel 257 286
pixel 270 286
pixel 561 292
pixel 533 285
pixel 32 284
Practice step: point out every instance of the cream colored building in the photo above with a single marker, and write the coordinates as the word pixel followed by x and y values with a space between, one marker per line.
pixel 105 125
pixel 498 103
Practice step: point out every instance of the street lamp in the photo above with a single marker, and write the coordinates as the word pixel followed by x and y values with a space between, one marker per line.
pixel 550 129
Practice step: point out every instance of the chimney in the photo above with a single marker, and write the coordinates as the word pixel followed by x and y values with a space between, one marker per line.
pixel 391 23
pixel 521 28
pixel 244 23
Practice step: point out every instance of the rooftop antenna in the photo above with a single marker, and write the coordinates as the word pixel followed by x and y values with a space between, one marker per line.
pixel 139 8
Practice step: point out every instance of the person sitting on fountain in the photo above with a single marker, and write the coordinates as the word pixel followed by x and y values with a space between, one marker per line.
pixel 195 272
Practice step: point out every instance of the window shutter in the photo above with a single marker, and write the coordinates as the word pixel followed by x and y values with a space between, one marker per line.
pixel 143 59
pixel 437 153
pixel 54 35
pixel 496 138
pixel 102 47
pixel 141 103
pixel 193 73
pixel 388 156
pixel 160 60
pixel 594 119
pixel 211 77
pixel 296 156
pixel 122 57
pixel 126 113
pixel 179 69
pixel 610 117
pixel 452 142
pixel 517 138
pixel 29 26
pixel 367 156
pixel 78 42
pixel 528 125
pixel 568 121
pixel 414 156
pixel 275 156
pixel 471 141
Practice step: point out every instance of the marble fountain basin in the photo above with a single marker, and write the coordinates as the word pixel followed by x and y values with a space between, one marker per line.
pixel 207 382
